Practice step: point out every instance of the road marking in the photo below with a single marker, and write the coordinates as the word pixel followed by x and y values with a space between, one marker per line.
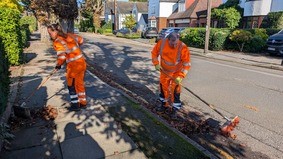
pixel 274 75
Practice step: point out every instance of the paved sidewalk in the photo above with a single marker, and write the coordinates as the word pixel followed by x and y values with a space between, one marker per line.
pixel 87 134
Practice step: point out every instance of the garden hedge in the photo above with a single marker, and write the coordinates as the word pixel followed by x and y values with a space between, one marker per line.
pixel 219 39
pixel 11 35
pixel 4 78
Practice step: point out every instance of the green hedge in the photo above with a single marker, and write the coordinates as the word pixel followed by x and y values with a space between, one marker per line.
pixel 129 36
pixel 25 33
pixel 219 39
pixel 271 31
pixel 30 21
pixel 4 78
pixel 195 37
pixel 11 35
pixel 106 28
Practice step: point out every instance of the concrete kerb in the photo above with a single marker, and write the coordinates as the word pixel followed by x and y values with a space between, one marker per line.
pixel 184 137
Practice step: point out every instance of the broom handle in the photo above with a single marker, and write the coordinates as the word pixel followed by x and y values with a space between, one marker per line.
pixel 196 96
pixel 55 70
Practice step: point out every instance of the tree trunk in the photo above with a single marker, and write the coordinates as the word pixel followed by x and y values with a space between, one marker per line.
pixel 67 25
pixel 96 21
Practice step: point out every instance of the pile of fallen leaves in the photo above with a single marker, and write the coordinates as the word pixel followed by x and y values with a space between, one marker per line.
pixel 184 123
pixel 49 113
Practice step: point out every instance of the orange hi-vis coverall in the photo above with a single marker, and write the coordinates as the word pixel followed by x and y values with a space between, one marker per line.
pixel 175 62
pixel 68 50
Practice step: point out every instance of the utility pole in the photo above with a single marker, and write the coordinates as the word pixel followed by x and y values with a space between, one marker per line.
pixel 115 15
pixel 207 28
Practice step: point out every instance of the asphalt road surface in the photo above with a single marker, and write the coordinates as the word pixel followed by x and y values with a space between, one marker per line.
pixel 253 93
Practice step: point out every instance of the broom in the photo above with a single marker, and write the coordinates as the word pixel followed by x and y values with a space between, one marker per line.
pixel 24 111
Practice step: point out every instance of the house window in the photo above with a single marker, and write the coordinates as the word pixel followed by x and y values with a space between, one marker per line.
pixel 153 23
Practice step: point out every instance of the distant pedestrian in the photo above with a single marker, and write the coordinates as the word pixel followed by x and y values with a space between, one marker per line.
pixel 174 63
pixel 67 46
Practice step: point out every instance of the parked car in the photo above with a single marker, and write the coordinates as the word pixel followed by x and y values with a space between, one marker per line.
pixel 166 31
pixel 161 34
pixel 123 30
pixel 173 29
pixel 275 43
pixel 149 32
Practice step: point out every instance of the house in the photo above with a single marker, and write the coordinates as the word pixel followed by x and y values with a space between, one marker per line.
pixel 123 9
pixel 180 13
pixel 159 11
pixel 140 13
pixel 256 10
pixel 191 13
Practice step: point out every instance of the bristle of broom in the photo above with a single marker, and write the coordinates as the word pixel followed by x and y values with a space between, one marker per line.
pixel 229 126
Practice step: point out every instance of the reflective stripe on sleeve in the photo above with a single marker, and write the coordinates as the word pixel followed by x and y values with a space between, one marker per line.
pixel 60 52
pixel 62 57
pixel 74 58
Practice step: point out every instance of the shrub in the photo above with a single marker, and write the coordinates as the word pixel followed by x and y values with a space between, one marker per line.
pixel 25 34
pixel 86 26
pixel 194 37
pixel 274 20
pixel 106 28
pixel 31 21
pixel 218 39
pixel 256 44
pixel 270 31
pixel 11 35
pixel 4 78
pixel 240 37
pixel 129 36
pixel 261 33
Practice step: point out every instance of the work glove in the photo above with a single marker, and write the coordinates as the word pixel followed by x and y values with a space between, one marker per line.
pixel 178 80
pixel 157 67
pixel 58 67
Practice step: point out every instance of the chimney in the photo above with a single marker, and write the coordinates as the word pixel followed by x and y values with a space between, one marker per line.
pixel 188 3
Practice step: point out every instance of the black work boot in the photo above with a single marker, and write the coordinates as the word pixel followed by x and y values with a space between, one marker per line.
pixel 83 106
pixel 161 108
pixel 74 107
pixel 174 115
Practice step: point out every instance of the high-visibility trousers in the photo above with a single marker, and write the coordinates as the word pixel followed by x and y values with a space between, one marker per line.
pixel 75 81
pixel 169 90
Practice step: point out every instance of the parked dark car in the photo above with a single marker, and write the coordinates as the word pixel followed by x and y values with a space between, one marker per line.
pixel 166 31
pixel 149 32
pixel 123 30
pixel 275 44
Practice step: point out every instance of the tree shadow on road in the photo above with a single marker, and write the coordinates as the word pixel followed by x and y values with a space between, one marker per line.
pixel 129 67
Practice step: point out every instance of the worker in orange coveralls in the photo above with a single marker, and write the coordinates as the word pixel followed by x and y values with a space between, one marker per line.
pixel 68 50
pixel 175 62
